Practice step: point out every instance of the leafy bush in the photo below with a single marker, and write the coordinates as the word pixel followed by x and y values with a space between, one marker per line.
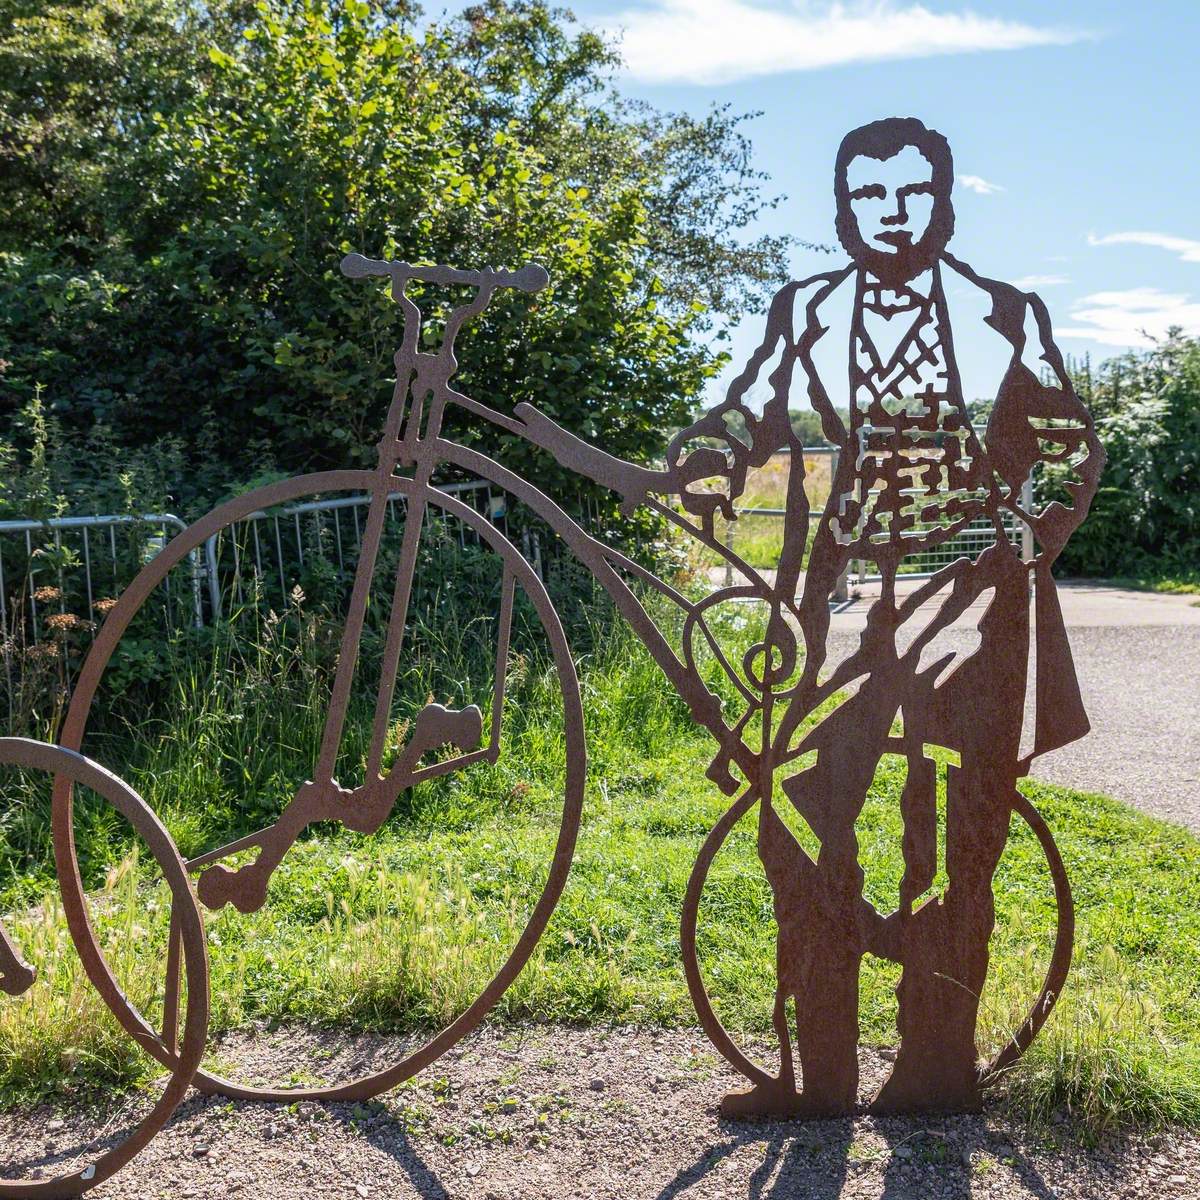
pixel 1145 519
pixel 171 232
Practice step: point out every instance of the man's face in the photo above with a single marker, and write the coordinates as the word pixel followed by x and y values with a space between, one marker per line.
pixel 892 199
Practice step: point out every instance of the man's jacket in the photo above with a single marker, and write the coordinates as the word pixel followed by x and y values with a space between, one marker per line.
pixel 1036 417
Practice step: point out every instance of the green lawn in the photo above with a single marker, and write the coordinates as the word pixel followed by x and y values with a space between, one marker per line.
pixel 400 930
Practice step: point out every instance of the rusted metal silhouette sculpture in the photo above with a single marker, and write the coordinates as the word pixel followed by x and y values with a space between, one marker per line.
pixel 874 339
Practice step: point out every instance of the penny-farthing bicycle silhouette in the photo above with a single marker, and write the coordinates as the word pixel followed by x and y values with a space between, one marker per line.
pixel 411 439
pixel 410 455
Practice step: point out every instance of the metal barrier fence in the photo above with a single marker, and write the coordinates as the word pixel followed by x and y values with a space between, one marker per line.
pixel 96 554
pixel 67 559
pixel 274 547
pixel 970 543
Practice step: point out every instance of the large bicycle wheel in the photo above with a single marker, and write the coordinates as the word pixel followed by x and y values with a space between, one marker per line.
pixel 517 575
pixel 92 1166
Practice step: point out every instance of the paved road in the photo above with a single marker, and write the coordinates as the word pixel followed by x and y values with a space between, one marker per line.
pixel 1137 656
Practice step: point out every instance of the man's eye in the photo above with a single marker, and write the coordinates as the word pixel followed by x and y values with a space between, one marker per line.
pixel 870 191
pixel 917 189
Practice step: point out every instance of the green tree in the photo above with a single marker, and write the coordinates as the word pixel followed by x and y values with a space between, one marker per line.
pixel 1145 518
pixel 80 84
pixel 177 278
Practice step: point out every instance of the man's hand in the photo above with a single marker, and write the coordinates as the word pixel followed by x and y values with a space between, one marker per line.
pixel 707 467
pixel 704 481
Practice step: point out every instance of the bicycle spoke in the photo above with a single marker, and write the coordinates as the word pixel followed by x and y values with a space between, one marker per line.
pixel 507 589
pixel 414 519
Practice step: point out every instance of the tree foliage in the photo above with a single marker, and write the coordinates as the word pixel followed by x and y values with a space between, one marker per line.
pixel 1145 518
pixel 181 178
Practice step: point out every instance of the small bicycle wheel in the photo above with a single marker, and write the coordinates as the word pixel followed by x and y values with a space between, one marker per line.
pixel 518 574
pixel 63 764
pixel 1052 985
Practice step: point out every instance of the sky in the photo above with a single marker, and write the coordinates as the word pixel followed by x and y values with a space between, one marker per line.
pixel 1073 128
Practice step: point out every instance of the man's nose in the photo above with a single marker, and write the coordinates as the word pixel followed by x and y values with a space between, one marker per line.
pixel 899 217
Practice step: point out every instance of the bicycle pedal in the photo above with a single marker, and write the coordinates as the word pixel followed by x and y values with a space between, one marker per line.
pixel 437 726
pixel 245 888
pixel 16 975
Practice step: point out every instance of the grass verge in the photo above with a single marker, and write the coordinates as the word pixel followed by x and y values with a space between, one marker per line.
pixel 401 930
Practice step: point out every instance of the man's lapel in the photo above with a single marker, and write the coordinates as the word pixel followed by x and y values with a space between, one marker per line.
pixel 828 319
pixel 970 304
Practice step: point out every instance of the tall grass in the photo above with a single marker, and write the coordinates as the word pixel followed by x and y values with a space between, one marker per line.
pixel 59 1036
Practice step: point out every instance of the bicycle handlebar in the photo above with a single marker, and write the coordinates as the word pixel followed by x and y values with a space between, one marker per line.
pixel 531 278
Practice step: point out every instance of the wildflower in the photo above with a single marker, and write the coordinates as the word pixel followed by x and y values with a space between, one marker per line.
pixel 62 622
pixel 41 651
pixel 105 606
pixel 46 594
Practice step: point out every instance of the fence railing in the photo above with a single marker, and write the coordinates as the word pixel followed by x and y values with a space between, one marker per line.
pixel 63 557
pixel 95 545
pixel 272 547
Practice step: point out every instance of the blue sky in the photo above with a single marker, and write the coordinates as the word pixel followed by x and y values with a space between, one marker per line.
pixel 1073 127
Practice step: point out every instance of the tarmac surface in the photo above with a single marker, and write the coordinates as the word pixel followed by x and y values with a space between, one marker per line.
pixel 1137 658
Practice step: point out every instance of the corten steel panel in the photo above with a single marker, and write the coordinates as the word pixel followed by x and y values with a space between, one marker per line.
pixel 872 339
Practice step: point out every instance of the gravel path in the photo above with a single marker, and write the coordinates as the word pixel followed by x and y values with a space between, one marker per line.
pixel 1141 689
pixel 1141 686
pixel 615 1114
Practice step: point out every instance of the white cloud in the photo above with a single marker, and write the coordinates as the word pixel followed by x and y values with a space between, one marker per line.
pixel 1027 283
pixel 720 41
pixel 1188 249
pixel 976 183
pixel 1132 317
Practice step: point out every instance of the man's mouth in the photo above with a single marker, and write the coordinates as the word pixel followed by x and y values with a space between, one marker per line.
pixel 900 238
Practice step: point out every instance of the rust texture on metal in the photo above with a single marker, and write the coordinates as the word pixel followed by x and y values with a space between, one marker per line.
pixel 871 346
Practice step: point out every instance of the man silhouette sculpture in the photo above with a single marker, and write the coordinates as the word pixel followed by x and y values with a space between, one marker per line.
pixel 876 339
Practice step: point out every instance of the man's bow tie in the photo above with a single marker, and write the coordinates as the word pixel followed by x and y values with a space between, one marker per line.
pixel 889 301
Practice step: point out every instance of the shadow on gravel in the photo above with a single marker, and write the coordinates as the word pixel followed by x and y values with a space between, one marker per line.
pixel 813 1162
pixel 391 1138
pixel 59 1149
pixel 809 1161
pixel 925 1160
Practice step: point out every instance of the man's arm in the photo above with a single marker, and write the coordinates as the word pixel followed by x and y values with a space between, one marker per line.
pixel 1039 418
pixel 721 469
pixel 707 477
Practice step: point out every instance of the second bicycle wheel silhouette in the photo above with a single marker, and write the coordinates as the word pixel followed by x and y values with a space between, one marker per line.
pixel 524 636
pixel 106 1139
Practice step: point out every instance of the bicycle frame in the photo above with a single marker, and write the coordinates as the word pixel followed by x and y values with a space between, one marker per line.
pixel 419 374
